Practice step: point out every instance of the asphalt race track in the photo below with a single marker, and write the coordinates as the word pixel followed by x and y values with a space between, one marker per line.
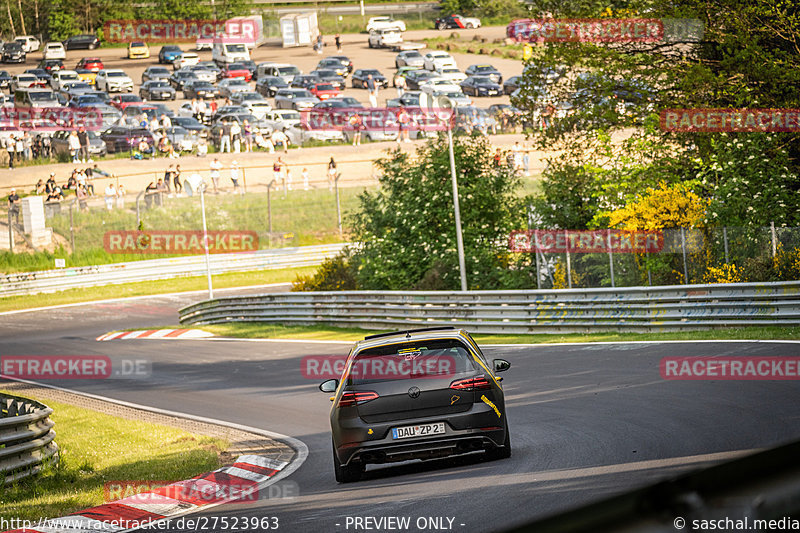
pixel 587 421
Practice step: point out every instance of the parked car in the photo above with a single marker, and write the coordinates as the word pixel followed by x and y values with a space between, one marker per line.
pixel 257 108
pixel 90 63
pixel 29 43
pixel 202 73
pixel 210 65
pixel 169 53
pixel 438 85
pixel 54 50
pixel 86 75
pixel 280 119
pixel 304 81
pixel 84 100
pixel 511 84
pixel 282 70
pixel 481 86
pixel 228 86
pixel 269 85
pixel 456 21
pixel 341 67
pixel 185 59
pixel 51 65
pixel 250 65
pixel 191 124
pixel 384 38
pixel 62 76
pixel 323 91
pixel 485 70
pixel 138 50
pixel 409 99
pixel 468 402
pixel 5 78
pixel 345 61
pixel 87 41
pixel 329 76
pixel 20 81
pixel 246 96
pixel 416 78
pixel 402 72
pixel 113 80
pixel 60 143
pixel 385 23
pixel 295 99
pixel 361 76
pixel 122 138
pixel 180 77
pixel 74 88
pixel 14 53
pixel 200 89
pixel 121 101
pixel 157 90
pixel 234 70
pixel 451 73
pixel 155 72
pixel 300 134
pixel 40 73
pixel 409 58
pixel 437 59
pixel 182 140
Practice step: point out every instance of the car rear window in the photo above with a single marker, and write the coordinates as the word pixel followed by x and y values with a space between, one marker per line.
pixel 410 360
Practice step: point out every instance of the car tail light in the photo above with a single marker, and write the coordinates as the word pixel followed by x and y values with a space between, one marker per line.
pixel 476 383
pixel 350 398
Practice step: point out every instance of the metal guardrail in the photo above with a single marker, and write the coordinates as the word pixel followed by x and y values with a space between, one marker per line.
pixel 634 309
pixel 154 269
pixel 26 437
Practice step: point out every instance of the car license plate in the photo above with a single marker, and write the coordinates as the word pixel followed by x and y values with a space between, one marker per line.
pixel 165 94
pixel 422 430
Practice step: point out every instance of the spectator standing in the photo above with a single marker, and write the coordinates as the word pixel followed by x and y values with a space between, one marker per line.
pixel 277 171
pixel 305 176
pixel 287 180
pixel 236 136
pixel 40 187
pixel 83 139
pixel 120 196
pixel 526 161
pixel 13 205
pixel 357 124
pixel 248 136
pixel 168 177
pixel 80 192
pixel 176 179
pixel 216 167
pixel 225 139
pixel 19 148
pixel 516 154
pixel 319 44
pixel 338 41
pixel 280 137
pixel 27 142
pixel 400 85
pixel 10 147
pixel 331 173
pixel 150 192
pixel 110 196
pixel 202 147
pixel 235 175
pixel 403 122
pixel 50 185
pixel 373 91
pixel 166 122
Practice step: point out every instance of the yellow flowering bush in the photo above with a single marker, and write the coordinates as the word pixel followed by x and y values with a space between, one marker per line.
pixel 667 206
pixel 724 274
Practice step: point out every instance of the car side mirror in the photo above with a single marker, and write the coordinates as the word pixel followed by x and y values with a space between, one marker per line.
pixel 329 386
pixel 501 365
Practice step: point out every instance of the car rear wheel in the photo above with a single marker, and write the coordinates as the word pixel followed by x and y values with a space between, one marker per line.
pixel 91 46
pixel 470 26
pixel 346 473
pixel 442 26
pixel 501 452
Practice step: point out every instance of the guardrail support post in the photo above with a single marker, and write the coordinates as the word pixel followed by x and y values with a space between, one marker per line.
pixel 725 240
pixel 683 249
pixel 774 240
pixel 338 204
pixel 269 211
pixel 11 233
pixel 205 239
pixel 71 228
pixel 610 257
pixel 569 263
pixel 536 253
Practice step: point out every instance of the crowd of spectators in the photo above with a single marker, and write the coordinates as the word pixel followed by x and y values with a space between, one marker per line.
pixel 26 147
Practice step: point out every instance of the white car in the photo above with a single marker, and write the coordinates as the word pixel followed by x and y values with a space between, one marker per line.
pixel 281 119
pixel 113 80
pixel 257 108
pixel 438 59
pixel 61 77
pixel 385 23
pixel 186 59
pixel 29 43
pixel 54 50
pixel 451 73
pixel 438 85
pixel 384 38
pixel 22 81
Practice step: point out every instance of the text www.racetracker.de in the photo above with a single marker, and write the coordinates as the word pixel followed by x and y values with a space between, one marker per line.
pixel 201 523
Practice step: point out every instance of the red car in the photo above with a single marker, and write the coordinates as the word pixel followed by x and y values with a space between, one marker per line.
pixel 121 101
pixel 323 91
pixel 90 63
pixel 235 70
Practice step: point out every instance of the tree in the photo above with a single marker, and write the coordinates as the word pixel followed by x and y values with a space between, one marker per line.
pixel 407 229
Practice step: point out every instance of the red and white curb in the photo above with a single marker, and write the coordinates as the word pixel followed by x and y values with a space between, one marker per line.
pixel 156 334
pixel 245 477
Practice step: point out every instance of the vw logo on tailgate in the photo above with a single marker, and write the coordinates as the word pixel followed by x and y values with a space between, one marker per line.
pixel 413 392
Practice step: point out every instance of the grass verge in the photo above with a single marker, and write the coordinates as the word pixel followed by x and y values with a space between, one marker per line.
pixel 220 281
pixel 276 331
pixel 97 448
pixel 456 43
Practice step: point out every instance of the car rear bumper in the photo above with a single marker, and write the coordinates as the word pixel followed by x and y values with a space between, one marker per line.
pixel 479 428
